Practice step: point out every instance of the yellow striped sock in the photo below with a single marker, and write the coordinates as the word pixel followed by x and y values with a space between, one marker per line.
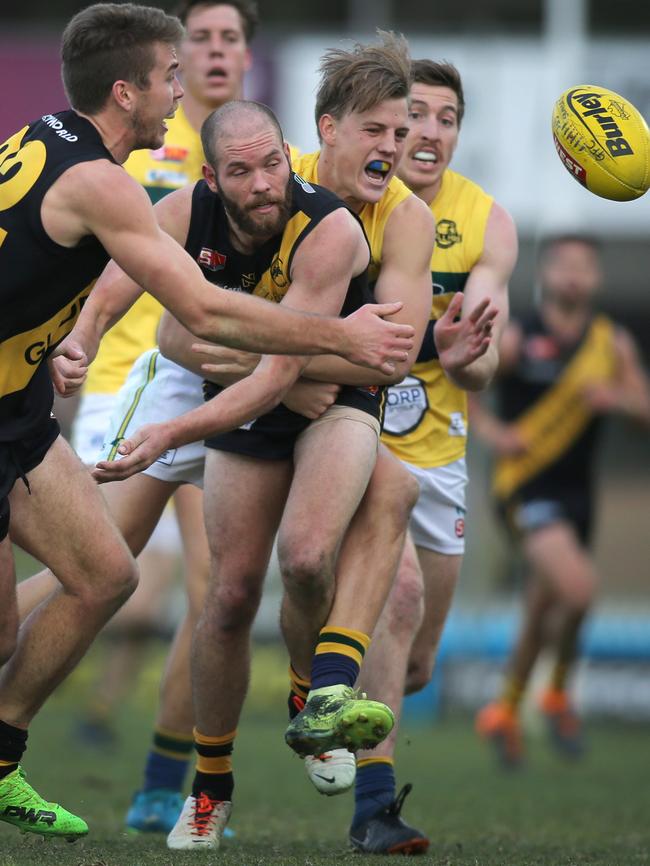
pixel 366 762
pixel 299 685
pixel 344 641
pixel 214 754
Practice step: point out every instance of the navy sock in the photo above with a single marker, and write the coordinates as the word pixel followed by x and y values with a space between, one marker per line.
pixel 168 760
pixel 163 772
pixel 338 657
pixel 374 789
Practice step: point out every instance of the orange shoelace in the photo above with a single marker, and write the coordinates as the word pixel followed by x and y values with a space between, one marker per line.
pixel 201 823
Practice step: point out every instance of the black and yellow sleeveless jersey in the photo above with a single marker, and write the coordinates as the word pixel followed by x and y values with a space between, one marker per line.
pixel 267 272
pixel 174 165
pixel 426 415
pixel 42 285
pixel 543 397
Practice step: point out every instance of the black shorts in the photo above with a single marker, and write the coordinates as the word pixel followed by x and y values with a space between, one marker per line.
pixel 536 507
pixel 20 457
pixel 273 436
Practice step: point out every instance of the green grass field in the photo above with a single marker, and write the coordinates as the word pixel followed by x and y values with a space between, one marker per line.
pixel 593 813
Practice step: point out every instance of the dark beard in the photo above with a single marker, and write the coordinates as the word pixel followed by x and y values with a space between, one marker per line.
pixel 145 137
pixel 261 228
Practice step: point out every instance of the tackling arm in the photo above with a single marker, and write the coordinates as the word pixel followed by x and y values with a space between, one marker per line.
pixel 405 274
pixel 339 242
pixel 112 206
pixel 484 309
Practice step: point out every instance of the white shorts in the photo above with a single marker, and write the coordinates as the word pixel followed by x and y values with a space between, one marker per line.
pixel 90 425
pixel 438 519
pixel 156 390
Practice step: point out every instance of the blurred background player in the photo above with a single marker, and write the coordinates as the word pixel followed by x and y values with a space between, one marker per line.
pixel 426 428
pixel 214 58
pixel 561 368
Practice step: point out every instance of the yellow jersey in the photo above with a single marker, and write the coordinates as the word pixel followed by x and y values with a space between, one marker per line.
pixel 174 165
pixel 373 216
pixel 425 421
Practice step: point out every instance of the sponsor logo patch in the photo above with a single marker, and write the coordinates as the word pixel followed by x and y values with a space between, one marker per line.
pixel 211 259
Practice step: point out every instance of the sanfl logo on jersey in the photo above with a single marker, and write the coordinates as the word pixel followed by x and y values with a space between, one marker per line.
pixel 447 234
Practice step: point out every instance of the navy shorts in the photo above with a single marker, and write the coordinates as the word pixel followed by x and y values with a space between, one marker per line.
pixel 273 436
pixel 538 507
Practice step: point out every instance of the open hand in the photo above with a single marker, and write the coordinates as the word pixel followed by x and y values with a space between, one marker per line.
pixel 137 452
pixel 461 342
pixel 376 343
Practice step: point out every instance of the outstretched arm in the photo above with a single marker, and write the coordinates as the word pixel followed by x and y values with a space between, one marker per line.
pixel 113 207
pixel 322 269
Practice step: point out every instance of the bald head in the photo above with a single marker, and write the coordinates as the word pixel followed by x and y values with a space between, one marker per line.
pixel 238 120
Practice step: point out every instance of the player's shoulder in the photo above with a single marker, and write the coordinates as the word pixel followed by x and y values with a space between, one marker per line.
pixel 407 210
pixel 305 165
pixel 458 183
pixel 100 189
pixel 624 341
pixel 99 177
pixel 459 187
pixel 314 200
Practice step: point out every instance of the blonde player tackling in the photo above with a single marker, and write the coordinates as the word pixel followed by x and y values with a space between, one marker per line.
pixel 426 427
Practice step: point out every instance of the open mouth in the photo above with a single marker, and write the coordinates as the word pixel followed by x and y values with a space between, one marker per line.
pixel 217 73
pixel 264 206
pixel 377 170
pixel 425 157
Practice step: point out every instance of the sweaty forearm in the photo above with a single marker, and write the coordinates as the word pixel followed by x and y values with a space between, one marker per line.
pixel 243 401
pixel 477 375
pixel 330 368
pixel 246 322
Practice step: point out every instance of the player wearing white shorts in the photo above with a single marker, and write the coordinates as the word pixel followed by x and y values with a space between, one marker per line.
pixel 157 390
pixel 426 428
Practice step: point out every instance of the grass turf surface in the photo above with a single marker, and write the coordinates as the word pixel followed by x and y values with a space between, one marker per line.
pixel 551 814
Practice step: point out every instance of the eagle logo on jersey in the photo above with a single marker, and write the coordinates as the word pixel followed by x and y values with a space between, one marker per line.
pixel 447 234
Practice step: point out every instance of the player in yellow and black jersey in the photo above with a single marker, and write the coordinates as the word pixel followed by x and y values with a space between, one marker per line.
pixel 562 368
pixel 256 227
pixel 214 55
pixel 119 70
pixel 267 272
pixel 362 124
pixel 44 283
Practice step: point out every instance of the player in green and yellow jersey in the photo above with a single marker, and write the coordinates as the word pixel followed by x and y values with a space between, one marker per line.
pixel 425 426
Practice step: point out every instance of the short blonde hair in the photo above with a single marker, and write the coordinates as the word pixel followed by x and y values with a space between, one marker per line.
pixel 361 78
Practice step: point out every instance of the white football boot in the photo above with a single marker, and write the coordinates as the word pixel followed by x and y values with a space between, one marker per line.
pixel 332 772
pixel 200 824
